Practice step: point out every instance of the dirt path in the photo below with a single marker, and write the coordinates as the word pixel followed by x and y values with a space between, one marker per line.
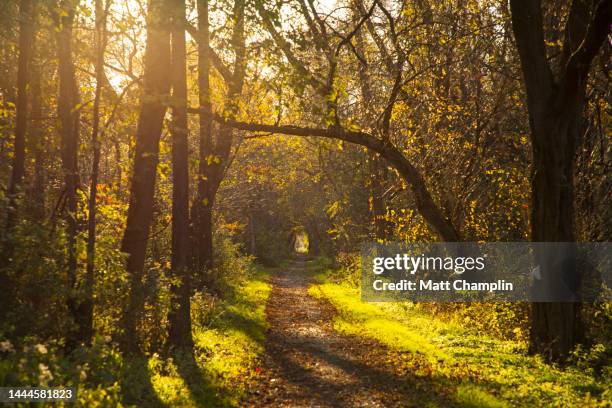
pixel 307 364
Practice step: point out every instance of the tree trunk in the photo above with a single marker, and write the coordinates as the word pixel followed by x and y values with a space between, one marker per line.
pixel 377 167
pixel 26 38
pixel 555 327
pixel 252 237
pixel 179 317
pixel 68 112
pixel 556 103
pixel 202 208
pixel 37 145
pixel 87 306
pixel 156 83
pixel 314 238
pixel 214 154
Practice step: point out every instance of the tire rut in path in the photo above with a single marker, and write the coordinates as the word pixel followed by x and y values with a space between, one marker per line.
pixel 307 364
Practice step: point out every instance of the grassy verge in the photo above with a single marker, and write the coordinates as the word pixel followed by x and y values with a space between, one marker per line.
pixel 225 351
pixel 214 375
pixel 482 371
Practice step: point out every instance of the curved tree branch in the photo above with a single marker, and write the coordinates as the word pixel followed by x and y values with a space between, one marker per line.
pixel 424 201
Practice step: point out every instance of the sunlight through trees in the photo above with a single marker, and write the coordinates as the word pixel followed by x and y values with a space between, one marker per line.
pixel 155 155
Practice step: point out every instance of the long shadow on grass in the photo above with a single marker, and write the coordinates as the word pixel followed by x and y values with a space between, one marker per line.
pixel 245 324
pixel 236 317
pixel 203 391
pixel 136 384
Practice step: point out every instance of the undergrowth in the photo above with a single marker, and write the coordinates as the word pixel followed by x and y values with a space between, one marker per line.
pixel 227 337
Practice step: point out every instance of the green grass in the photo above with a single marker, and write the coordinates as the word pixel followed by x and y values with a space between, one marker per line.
pixel 225 353
pixel 482 371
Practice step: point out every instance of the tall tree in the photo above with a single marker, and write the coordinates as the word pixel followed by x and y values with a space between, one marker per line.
pixel 179 316
pixel 424 201
pixel 26 39
pixel 68 112
pixel 215 152
pixel 202 211
pixel 100 44
pixel 556 102
pixel 156 87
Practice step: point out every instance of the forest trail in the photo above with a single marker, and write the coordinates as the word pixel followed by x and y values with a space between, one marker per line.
pixel 307 364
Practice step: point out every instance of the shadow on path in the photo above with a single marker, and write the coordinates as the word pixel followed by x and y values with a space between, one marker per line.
pixel 308 364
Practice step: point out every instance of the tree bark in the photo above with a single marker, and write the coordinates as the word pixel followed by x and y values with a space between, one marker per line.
pixel 37 145
pixel 100 45
pixel 156 84
pixel 314 238
pixel 252 237
pixel 179 316
pixel 378 168
pixel 26 38
pixel 68 112
pixel 215 154
pixel 202 208
pixel 556 104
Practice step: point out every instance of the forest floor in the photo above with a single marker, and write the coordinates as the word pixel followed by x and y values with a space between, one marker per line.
pixel 326 348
